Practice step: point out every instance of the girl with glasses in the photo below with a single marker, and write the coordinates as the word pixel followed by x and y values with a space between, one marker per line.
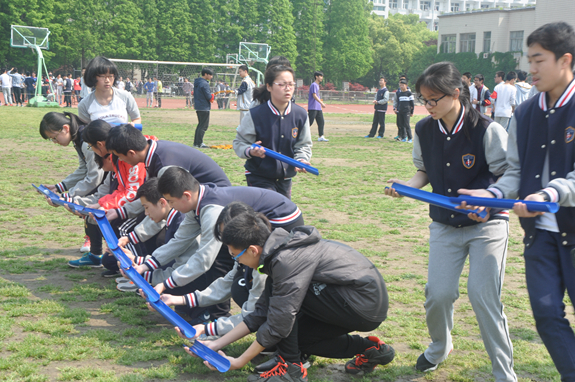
pixel 458 147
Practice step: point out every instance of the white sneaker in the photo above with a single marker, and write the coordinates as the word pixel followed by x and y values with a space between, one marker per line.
pixel 127 287
pixel 122 280
pixel 322 139
pixel 86 245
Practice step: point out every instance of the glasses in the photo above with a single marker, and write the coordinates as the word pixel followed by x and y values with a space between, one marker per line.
pixel 430 102
pixel 238 256
pixel 286 85
pixel 55 138
pixel 109 77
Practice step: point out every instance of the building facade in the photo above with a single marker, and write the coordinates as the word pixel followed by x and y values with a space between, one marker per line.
pixel 430 10
pixel 500 30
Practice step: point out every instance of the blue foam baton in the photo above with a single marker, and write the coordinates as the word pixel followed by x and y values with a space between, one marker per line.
pixel 216 360
pixel 136 125
pixel 505 203
pixel 431 198
pixel 288 160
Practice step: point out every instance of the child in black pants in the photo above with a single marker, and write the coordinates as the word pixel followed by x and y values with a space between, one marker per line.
pixel 300 316
pixel 404 110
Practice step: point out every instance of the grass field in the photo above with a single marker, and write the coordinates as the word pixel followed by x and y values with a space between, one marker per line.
pixel 64 324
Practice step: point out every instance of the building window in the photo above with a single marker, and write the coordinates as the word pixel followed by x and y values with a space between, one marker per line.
pixel 487 41
pixel 468 7
pixel 393 4
pixel 405 4
pixel 424 5
pixel 437 6
pixel 516 41
pixel 467 42
pixel 454 7
pixel 379 8
pixel 436 26
pixel 484 6
pixel 448 43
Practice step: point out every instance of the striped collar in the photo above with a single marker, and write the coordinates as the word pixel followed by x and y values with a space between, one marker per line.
pixel 170 217
pixel 562 101
pixel 276 111
pixel 151 152
pixel 201 193
pixel 458 126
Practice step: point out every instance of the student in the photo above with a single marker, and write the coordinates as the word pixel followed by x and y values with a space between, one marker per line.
pixel 480 96
pixel 107 102
pixel 245 92
pixel 17 81
pixel 85 88
pixel 196 268
pixel 404 109
pixel 315 104
pixel 30 83
pixel 59 82
pixel 499 79
pixel 67 89
pixel 317 292
pixel 158 90
pixel 466 78
pixel 523 88
pixel 77 88
pixel 454 147
pixel 63 129
pixel 203 98
pixel 277 124
pixel 265 96
pixel 188 88
pixel 380 106
pixel 541 157
pixel 6 87
pixel 149 87
pixel 505 99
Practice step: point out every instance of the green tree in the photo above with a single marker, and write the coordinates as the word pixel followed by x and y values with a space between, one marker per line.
pixel 174 27
pixel 204 38
pixel 309 31
pixel 276 28
pixel 347 49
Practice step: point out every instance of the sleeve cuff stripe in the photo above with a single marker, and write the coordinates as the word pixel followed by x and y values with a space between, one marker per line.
pixel 148 276
pixel 553 194
pixel 152 264
pixel 211 329
pixel 495 191
pixel 134 237
pixel 170 283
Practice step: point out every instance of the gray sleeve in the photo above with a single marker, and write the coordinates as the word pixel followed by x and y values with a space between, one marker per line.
pixel 218 291
pixel 83 108
pixel 508 185
pixel 148 228
pixel 131 106
pixel 103 190
pixel 302 147
pixel 204 258
pixel 245 136
pixel 87 177
pixel 566 189
pixel 133 208
pixel 226 324
pixel 416 154
pixel 385 98
pixel 495 146
pixel 183 239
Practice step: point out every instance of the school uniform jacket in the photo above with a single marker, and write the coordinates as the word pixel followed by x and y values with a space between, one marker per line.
pixel 405 102
pixel 140 235
pixel 87 176
pixel 108 185
pixel 287 134
pixel 452 161
pixel 295 260
pixel 211 201
pixel 537 132
pixel 382 97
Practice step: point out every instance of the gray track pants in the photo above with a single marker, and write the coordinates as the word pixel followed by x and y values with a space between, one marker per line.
pixel 486 245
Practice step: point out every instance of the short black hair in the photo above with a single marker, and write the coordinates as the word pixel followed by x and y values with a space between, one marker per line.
pixel 278 60
pixel 380 77
pixel 403 82
pixel 96 131
pixel 228 213
pixel 500 74
pixel 510 76
pixel 124 138
pixel 558 38
pixel 480 77
pixel 98 66
pixel 177 180
pixel 243 67
pixel 246 229
pixel 149 190
pixel 316 74
pixel 468 75
pixel 521 75
pixel 207 71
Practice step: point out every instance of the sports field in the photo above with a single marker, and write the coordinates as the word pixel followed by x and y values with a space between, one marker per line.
pixel 64 324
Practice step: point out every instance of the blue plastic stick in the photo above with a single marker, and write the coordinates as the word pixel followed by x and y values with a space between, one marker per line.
pixel 431 198
pixel 216 360
pixel 137 125
pixel 288 160
pixel 506 203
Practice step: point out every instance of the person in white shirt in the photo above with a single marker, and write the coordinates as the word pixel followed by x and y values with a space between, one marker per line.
pixel 6 87
pixel 505 99
pixel 121 85
pixel 466 78
pixel 59 89
pixel 523 88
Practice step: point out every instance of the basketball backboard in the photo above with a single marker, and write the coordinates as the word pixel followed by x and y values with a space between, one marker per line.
pixel 28 37
pixel 254 52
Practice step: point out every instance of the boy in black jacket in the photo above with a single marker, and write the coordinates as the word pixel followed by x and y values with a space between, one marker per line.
pixel 404 110
pixel 316 293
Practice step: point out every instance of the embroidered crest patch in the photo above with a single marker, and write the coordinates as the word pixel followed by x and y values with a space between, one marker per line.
pixel 468 160
pixel 569 134
pixel 294 132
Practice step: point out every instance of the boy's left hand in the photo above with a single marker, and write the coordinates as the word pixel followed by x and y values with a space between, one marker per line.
pixel 302 169
pixel 521 210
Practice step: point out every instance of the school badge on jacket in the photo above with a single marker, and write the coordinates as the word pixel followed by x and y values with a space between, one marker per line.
pixel 468 160
pixel 569 134
pixel 294 132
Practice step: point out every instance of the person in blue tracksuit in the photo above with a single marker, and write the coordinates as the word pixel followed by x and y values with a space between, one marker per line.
pixel 203 98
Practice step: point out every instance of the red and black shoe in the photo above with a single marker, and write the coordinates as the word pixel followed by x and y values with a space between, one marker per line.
pixel 380 354
pixel 282 372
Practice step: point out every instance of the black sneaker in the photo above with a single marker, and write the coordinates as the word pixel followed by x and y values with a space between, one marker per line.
pixel 108 273
pixel 282 372
pixel 380 354
pixel 424 365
